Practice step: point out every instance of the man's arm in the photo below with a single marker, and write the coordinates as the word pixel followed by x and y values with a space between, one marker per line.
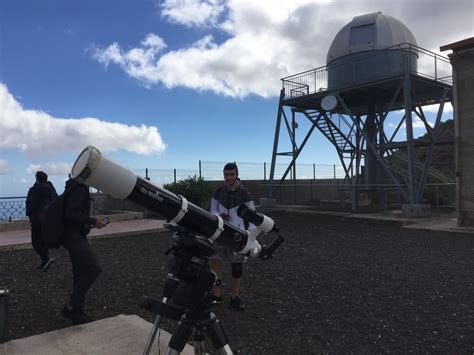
pixel 250 204
pixel 215 209
pixel 214 206
pixel 31 202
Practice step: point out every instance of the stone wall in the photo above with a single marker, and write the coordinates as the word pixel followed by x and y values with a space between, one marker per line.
pixel 463 81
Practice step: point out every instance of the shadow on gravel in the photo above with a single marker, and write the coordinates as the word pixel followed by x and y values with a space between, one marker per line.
pixel 336 285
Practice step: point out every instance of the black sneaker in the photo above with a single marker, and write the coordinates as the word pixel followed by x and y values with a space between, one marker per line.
pixel 216 300
pixel 236 304
pixel 45 265
pixel 76 316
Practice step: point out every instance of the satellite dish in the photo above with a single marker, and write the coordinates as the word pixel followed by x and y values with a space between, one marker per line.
pixel 329 102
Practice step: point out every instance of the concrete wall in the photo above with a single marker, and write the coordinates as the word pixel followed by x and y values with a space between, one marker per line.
pixel 105 204
pixel 306 192
pixel 463 76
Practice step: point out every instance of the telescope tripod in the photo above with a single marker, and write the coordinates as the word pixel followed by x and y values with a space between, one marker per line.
pixel 187 298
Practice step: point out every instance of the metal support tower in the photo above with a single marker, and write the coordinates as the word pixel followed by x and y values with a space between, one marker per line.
pixel 357 127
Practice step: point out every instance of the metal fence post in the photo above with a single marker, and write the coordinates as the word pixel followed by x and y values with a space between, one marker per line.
pixel 174 170
pixel 437 198
pixel 321 198
pixel 146 174
pixel 314 171
pixel 334 167
pixel 4 315
pixel 264 171
pixel 200 176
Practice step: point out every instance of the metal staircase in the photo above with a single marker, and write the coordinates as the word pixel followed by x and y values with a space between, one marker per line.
pixel 434 173
pixel 343 143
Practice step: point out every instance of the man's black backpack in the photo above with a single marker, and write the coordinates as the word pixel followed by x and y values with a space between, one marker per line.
pixel 52 227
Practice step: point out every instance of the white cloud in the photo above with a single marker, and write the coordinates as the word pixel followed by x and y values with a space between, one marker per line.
pixel 37 133
pixel 58 168
pixel 50 168
pixel 267 40
pixel 33 168
pixel 448 108
pixel 4 168
pixel 418 123
pixel 192 12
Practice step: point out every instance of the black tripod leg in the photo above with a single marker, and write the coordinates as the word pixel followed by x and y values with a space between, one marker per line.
pixel 151 337
pixel 170 286
pixel 216 334
pixel 179 338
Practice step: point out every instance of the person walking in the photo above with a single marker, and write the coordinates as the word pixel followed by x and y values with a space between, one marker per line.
pixel 39 196
pixel 224 203
pixel 85 265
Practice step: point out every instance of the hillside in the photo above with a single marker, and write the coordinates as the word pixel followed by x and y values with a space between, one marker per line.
pixel 443 155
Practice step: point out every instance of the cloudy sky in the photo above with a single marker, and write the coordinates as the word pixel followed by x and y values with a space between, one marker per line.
pixel 164 84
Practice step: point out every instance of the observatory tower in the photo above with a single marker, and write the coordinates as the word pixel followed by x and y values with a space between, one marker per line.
pixel 373 68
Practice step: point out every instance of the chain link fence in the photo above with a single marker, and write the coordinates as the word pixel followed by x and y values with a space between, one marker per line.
pixel 212 171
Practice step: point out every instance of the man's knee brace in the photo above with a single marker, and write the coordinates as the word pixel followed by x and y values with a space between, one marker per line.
pixel 237 270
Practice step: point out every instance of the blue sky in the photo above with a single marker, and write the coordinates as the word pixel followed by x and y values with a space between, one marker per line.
pixel 163 84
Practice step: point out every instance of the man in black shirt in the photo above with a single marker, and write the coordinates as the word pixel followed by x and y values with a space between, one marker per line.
pixel 39 196
pixel 85 266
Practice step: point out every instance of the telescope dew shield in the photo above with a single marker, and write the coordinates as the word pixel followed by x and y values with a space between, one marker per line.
pixel 105 175
pixel 93 169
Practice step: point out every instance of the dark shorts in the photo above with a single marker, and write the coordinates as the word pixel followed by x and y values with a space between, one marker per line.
pixel 223 253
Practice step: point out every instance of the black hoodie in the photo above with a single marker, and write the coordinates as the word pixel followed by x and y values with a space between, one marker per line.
pixel 39 196
pixel 77 208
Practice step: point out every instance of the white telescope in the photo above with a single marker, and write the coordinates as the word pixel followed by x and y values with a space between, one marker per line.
pixel 93 169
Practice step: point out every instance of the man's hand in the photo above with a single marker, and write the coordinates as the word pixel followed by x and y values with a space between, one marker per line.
pixel 224 216
pixel 99 223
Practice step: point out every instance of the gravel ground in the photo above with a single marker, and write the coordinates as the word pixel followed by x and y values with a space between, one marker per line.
pixel 336 285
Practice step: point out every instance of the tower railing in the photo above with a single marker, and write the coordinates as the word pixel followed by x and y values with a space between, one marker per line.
pixel 428 64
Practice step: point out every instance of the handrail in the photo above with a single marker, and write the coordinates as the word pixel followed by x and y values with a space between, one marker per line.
pixel 428 65
pixel 12 208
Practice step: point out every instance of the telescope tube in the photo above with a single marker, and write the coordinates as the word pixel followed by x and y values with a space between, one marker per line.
pixel 264 223
pixel 93 169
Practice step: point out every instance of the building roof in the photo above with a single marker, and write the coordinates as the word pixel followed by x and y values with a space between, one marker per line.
pixel 459 45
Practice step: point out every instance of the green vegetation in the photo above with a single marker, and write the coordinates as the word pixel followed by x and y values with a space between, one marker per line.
pixel 195 190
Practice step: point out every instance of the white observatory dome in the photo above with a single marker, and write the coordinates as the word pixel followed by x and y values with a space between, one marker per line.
pixel 369 32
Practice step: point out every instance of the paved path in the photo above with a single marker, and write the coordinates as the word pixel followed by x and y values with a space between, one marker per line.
pixel 115 229
pixel 120 335
pixel 442 223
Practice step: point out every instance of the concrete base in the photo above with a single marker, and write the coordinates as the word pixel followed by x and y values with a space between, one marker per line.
pixel 123 334
pixel 416 211
pixel 267 202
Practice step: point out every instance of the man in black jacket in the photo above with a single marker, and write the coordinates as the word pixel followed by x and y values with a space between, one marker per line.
pixel 39 196
pixel 85 266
